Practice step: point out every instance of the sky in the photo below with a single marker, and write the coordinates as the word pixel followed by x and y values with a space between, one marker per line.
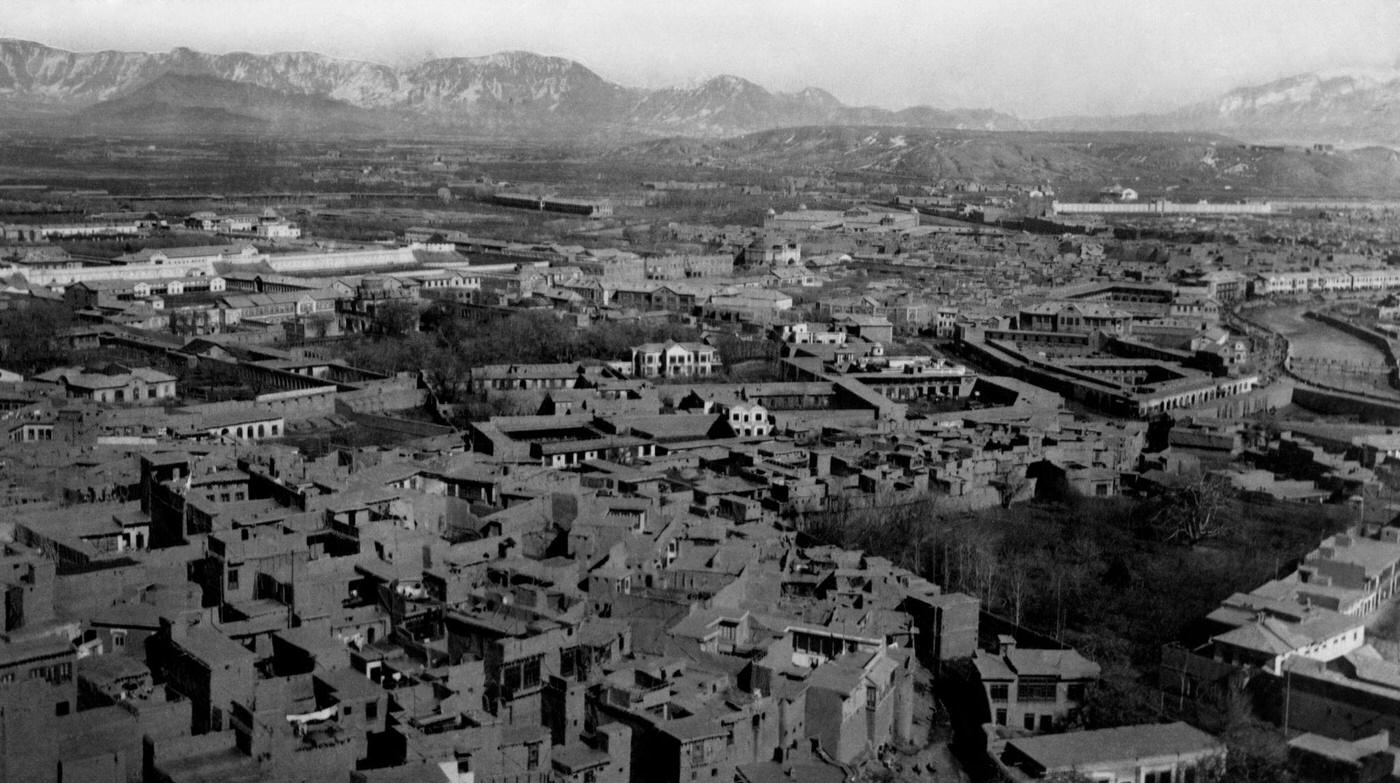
pixel 1032 58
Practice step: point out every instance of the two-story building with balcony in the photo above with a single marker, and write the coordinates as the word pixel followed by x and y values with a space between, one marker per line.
pixel 672 359
pixel 1033 689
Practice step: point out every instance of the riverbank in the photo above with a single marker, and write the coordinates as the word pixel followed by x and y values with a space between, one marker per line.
pixel 1328 353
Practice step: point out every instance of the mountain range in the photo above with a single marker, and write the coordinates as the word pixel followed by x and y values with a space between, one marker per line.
pixel 1341 108
pixel 1185 166
pixel 523 93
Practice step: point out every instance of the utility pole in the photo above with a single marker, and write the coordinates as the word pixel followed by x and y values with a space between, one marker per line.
pixel 291 591
pixel 1287 698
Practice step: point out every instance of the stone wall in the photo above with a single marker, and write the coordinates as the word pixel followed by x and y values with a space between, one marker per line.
pixel 1263 400
pixel 312 403
pixel 1367 409
pixel 393 394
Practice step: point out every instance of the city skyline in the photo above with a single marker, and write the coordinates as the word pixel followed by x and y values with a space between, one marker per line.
pixel 1076 58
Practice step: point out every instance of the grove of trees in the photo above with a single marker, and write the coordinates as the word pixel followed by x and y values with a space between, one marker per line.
pixel 447 347
pixel 1095 573
pixel 30 337
pixel 1109 577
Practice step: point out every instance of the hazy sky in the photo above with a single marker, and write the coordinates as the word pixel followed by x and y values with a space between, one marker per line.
pixel 1030 57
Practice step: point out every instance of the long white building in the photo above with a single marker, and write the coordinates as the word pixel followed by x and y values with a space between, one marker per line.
pixel 1323 279
pixel 173 263
pixel 1158 207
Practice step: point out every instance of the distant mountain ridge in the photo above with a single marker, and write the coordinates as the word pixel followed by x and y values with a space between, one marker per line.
pixel 508 90
pixel 1340 108
pixel 219 105
pixel 1176 165
pixel 1324 108
pixel 522 93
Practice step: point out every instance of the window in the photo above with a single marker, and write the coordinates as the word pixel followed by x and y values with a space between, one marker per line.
pixel 233 579
pixel 1029 721
pixel 701 753
pixel 61 708
pixel 371 710
pixel 573 662
pixel 871 695
pixel 1000 692
pixel 1001 716
pixel 1158 776
pixel 118 639
pixel 1047 722
pixel 1076 691
pixel 521 674
pixel 1035 691
pixel 532 755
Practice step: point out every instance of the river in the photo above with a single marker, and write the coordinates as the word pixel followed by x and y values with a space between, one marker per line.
pixel 1315 340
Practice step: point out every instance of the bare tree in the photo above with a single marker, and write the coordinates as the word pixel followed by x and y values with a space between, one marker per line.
pixel 1068 568
pixel 1196 511
pixel 1017 582
pixel 985 568
pixel 1057 576
pixel 1011 485
pixel 395 318
pixel 449 375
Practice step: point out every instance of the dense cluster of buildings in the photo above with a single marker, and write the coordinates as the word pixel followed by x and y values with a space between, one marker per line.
pixel 1300 645
pixel 610 589
pixel 610 586
pixel 1131 350
pixel 219 610
pixel 228 555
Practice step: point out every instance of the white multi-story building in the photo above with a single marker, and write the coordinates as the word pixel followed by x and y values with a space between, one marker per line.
pixel 1375 279
pixel 1324 280
pixel 1274 283
pixel 673 359
pixel 747 419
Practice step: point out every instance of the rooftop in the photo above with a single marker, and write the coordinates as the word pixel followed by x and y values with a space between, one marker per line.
pixel 1080 749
